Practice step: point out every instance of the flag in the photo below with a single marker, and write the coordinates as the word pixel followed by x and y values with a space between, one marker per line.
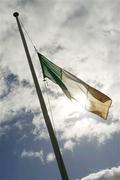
pixel 74 88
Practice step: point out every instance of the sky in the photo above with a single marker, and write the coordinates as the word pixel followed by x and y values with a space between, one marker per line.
pixel 83 37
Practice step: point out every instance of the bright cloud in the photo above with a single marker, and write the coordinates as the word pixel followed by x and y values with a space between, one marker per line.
pixel 32 154
pixel 90 129
pixel 106 174
pixel 50 157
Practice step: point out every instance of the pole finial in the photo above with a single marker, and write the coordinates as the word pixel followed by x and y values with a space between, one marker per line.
pixel 16 14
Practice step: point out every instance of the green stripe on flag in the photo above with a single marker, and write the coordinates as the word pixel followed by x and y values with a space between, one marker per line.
pixel 53 72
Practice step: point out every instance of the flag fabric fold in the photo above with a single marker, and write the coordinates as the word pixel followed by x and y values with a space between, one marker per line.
pixel 93 100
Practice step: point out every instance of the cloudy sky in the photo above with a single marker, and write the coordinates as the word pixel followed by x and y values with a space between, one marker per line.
pixel 83 37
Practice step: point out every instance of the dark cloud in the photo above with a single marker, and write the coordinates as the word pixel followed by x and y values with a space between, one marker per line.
pixel 22 115
pixel 26 2
pixel 81 13
pixel 40 3
pixel 12 81
pixel 83 60
pixel 53 48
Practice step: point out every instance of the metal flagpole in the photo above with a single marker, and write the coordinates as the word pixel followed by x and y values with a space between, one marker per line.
pixel 54 142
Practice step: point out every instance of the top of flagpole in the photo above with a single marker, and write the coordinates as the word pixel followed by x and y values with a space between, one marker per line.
pixel 16 14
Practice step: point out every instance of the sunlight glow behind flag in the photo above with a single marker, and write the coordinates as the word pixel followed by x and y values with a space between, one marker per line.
pixel 74 88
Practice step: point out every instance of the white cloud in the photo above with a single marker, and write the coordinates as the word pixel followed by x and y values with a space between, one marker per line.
pixel 90 129
pixel 18 125
pixel 4 129
pixel 32 154
pixel 50 157
pixel 2 83
pixel 69 145
pixel 15 95
pixel 40 131
pixel 106 174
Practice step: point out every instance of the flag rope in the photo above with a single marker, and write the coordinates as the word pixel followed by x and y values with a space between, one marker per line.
pixel 49 104
pixel 50 109
pixel 28 36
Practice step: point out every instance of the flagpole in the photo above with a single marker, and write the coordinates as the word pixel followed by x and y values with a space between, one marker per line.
pixel 53 138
